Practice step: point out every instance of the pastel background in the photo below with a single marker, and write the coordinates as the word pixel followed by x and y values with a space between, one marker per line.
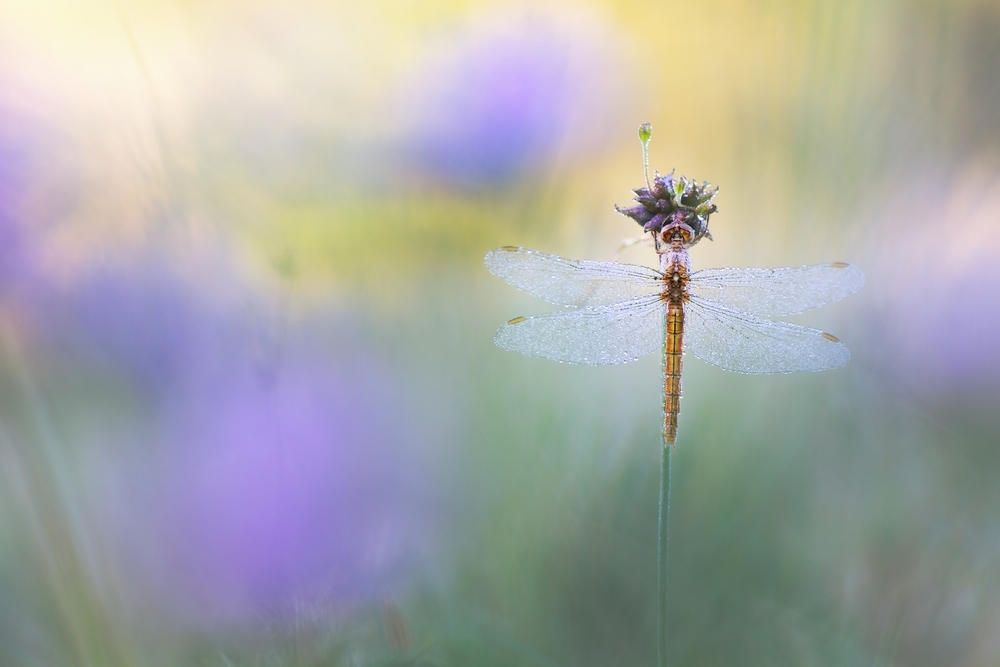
pixel 250 409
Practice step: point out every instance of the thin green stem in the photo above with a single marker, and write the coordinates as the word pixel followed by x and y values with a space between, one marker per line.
pixel 661 571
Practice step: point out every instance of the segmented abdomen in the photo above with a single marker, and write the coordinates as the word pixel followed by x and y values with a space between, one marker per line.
pixel 673 348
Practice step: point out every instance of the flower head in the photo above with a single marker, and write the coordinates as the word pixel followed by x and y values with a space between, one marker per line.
pixel 673 200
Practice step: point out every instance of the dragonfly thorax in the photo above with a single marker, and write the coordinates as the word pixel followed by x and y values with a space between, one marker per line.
pixel 675 287
pixel 672 245
pixel 676 268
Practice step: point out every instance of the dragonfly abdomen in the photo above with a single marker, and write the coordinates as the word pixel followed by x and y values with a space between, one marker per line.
pixel 676 265
pixel 673 349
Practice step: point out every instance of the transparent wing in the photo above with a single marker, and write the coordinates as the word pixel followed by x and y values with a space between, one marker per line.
pixel 572 282
pixel 777 291
pixel 740 342
pixel 596 336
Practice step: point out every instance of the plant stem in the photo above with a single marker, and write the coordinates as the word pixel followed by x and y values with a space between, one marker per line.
pixel 661 571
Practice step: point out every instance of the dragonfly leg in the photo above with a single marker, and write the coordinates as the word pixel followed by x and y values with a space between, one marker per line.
pixel 628 243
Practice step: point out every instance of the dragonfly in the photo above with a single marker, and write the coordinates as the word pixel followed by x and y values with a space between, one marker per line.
pixel 620 312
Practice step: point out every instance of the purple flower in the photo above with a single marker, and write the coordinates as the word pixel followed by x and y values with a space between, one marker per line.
pixel 262 472
pixel 142 319
pixel 258 480
pixel 944 331
pixel 513 90
pixel 267 493
pixel 938 281
pixel 17 146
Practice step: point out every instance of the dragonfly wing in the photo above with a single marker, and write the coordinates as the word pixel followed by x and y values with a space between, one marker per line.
pixel 772 292
pixel 596 336
pixel 741 342
pixel 572 282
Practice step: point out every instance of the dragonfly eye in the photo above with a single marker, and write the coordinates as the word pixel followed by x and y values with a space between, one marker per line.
pixel 677 232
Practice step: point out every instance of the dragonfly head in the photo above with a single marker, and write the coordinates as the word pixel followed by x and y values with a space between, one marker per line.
pixel 684 228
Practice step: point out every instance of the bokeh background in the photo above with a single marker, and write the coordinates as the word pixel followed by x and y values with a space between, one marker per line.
pixel 250 408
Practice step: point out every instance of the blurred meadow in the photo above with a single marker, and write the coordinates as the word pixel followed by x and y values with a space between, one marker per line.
pixel 251 413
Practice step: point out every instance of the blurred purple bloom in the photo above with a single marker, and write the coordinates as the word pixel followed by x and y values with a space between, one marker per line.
pixel 143 319
pixel 261 477
pixel 307 487
pixel 939 278
pixel 502 111
pixel 10 245
pixel 946 334
pixel 507 96
pixel 16 163
pixel 970 311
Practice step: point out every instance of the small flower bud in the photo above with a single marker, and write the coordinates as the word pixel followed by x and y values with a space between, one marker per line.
pixel 645 132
